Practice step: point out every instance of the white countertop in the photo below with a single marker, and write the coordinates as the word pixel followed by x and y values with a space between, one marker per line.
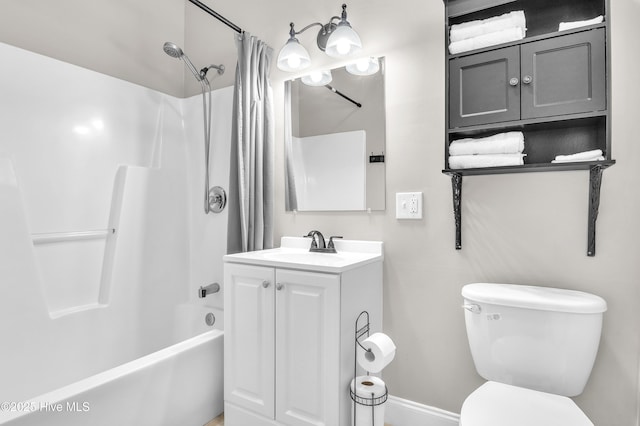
pixel 294 253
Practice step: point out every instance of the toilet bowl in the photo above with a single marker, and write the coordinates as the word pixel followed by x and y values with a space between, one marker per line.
pixel 499 404
pixel 536 347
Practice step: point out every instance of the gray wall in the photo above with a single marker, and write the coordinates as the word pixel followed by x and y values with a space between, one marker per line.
pixel 525 228
pixel 528 229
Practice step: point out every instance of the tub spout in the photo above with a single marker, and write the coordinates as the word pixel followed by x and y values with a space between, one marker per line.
pixel 208 289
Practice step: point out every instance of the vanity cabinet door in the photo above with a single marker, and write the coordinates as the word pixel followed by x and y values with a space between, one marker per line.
pixel 307 348
pixel 484 88
pixel 249 301
pixel 564 75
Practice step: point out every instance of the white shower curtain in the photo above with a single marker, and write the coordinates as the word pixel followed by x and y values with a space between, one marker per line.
pixel 253 139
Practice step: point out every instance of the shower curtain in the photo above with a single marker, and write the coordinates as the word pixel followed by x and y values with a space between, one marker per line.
pixel 253 139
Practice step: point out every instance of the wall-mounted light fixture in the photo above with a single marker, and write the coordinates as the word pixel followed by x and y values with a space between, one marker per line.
pixel 336 40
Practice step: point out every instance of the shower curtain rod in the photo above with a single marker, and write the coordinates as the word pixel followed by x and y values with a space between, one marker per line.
pixel 217 16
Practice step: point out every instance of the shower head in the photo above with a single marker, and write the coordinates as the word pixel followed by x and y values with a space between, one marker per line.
pixel 174 51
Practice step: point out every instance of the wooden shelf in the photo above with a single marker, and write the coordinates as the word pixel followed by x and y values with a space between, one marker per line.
pixel 529 168
pixel 521 124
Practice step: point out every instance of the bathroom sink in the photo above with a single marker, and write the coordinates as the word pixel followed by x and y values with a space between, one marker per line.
pixel 307 257
pixel 294 253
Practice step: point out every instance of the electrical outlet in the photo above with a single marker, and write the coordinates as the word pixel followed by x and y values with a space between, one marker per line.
pixel 409 205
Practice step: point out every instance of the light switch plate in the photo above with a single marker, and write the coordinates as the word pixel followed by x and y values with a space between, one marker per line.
pixel 409 205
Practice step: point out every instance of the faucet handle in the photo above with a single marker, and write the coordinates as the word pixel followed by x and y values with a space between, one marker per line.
pixel 331 246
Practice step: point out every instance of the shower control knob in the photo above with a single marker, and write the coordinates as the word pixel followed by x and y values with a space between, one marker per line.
pixel 265 284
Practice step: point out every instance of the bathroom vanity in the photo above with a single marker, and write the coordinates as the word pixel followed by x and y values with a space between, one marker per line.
pixel 290 319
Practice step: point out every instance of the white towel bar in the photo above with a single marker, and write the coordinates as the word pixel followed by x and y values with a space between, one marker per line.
pixel 56 237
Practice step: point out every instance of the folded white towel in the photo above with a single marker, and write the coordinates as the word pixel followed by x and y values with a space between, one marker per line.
pixel 577 24
pixel 486 40
pixel 601 158
pixel 479 27
pixel 488 160
pixel 502 143
pixel 593 155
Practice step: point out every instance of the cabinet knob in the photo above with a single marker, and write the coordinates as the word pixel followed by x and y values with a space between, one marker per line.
pixel 514 81
pixel 279 286
pixel 265 284
pixel 527 79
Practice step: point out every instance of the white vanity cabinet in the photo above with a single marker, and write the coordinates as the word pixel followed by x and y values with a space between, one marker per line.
pixel 289 334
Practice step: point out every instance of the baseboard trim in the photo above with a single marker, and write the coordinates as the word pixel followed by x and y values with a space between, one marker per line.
pixel 403 412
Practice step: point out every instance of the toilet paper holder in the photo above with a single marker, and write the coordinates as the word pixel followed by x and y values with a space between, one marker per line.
pixel 373 401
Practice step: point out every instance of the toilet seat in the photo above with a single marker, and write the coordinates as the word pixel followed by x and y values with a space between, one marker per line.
pixel 498 404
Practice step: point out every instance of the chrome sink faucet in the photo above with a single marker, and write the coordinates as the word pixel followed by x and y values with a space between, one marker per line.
pixel 318 244
pixel 317 241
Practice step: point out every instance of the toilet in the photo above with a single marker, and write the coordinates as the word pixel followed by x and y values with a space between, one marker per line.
pixel 536 347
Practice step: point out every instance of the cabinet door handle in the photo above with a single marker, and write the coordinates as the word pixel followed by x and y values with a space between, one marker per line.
pixel 279 286
pixel 514 81
pixel 527 79
pixel 265 284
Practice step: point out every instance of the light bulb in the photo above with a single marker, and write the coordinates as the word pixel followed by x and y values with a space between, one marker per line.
pixel 362 65
pixel 293 62
pixel 343 47
pixel 316 76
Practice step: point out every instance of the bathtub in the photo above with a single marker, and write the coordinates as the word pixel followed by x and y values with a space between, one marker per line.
pixel 177 385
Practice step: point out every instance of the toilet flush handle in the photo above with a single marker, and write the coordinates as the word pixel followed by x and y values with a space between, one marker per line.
pixel 472 307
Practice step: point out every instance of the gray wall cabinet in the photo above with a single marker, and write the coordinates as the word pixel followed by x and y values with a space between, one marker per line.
pixel 553 86
pixel 556 76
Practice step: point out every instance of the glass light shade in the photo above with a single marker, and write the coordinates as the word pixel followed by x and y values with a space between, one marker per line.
pixel 293 56
pixel 317 78
pixel 364 66
pixel 343 41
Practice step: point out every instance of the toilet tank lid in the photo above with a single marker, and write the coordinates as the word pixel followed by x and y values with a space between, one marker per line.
pixel 533 297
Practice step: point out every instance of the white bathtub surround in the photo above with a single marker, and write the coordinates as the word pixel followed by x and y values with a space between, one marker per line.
pixel 81 151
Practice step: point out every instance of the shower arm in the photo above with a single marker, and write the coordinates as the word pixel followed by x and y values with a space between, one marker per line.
pixel 203 72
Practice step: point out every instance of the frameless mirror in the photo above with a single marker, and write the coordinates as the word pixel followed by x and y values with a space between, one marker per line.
pixel 335 140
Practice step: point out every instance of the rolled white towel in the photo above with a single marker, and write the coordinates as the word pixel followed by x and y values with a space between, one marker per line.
pixel 577 24
pixel 486 40
pixel 502 143
pixel 476 28
pixel 488 160
pixel 593 155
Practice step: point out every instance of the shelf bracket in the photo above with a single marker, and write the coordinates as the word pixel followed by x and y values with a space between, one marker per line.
pixel 456 186
pixel 595 181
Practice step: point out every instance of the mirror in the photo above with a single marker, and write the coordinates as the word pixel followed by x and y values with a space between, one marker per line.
pixel 335 141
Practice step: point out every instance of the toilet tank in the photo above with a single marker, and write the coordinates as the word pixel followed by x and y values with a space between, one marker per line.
pixel 533 337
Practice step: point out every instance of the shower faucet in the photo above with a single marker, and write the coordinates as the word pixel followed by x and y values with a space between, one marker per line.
pixel 208 289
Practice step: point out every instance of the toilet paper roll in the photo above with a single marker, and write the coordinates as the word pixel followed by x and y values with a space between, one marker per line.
pixel 380 352
pixel 368 387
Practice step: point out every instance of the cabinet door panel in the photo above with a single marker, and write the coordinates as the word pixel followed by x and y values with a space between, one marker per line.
pixel 567 75
pixel 249 337
pixel 480 89
pixel 307 348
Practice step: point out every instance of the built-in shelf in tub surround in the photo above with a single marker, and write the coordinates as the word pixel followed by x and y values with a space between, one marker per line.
pixel 289 320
